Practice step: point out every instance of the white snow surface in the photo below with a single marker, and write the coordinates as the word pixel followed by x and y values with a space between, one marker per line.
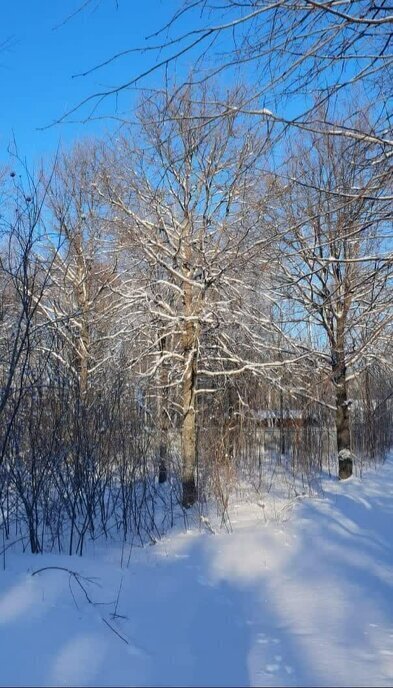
pixel 303 602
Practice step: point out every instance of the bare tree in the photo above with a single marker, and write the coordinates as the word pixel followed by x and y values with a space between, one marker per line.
pixel 80 304
pixel 337 265
pixel 23 282
pixel 296 56
pixel 182 202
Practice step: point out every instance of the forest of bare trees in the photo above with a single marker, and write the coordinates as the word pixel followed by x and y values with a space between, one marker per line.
pixel 206 294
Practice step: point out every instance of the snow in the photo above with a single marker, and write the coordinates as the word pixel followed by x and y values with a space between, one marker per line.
pixel 345 455
pixel 306 601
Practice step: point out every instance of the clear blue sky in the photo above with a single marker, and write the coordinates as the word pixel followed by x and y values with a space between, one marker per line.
pixel 37 64
pixel 44 50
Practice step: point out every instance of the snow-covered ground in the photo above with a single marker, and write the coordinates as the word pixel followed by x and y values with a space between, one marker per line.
pixel 299 601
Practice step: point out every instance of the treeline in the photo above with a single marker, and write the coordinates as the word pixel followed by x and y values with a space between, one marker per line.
pixel 179 309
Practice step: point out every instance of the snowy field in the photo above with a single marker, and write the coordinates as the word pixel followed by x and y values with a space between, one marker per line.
pixel 302 599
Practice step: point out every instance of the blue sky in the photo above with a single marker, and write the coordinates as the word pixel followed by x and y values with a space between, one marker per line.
pixel 37 64
pixel 43 51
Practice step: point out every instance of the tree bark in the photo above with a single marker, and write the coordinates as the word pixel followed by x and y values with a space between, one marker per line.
pixel 162 467
pixel 188 435
pixel 230 420
pixel 163 419
pixel 189 445
pixel 82 299
pixel 188 438
pixel 162 448
pixel 345 461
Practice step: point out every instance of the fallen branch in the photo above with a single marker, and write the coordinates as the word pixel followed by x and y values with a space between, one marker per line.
pixel 74 575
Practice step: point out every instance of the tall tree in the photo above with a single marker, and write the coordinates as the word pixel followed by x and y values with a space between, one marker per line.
pixel 337 264
pixel 181 198
pixel 80 304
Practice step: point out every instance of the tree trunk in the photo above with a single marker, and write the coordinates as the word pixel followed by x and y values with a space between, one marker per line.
pixel 370 430
pixel 345 461
pixel 162 466
pixel 188 436
pixel 230 420
pixel 189 445
pixel 82 299
pixel 163 420
pixel 282 434
pixel 163 440
pixel 83 362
